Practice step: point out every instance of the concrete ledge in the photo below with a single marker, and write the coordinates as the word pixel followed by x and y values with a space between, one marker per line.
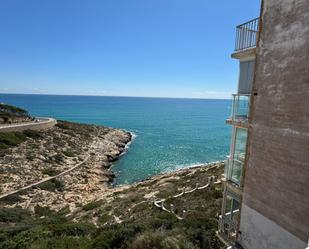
pixel 230 186
pixel 40 124
pixel 243 55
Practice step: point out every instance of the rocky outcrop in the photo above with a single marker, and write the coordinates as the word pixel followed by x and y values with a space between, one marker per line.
pixel 11 114
pixel 54 151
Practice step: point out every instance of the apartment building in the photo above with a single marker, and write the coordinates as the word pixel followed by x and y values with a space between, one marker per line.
pixel 245 53
pixel 266 187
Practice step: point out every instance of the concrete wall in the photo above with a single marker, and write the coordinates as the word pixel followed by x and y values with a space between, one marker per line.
pixel 277 171
pixel 267 234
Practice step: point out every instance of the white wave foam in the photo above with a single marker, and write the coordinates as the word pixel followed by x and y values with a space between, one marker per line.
pixel 127 147
pixel 193 165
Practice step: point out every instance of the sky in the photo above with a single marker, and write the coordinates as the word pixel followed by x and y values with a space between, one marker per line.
pixel 151 48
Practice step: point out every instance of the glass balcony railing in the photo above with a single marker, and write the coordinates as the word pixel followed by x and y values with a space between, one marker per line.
pixel 234 165
pixel 227 169
pixel 233 171
pixel 240 107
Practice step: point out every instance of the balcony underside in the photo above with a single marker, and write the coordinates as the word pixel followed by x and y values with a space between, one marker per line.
pixel 246 54
pixel 232 187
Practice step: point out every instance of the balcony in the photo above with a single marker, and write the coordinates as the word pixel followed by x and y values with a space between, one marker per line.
pixel 240 110
pixel 234 165
pixel 246 35
pixel 228 226
pixel 229 219
pixel 233 171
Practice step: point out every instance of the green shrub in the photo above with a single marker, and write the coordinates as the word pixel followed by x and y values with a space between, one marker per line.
pixel 64 211
pixel 50 171
pixel 13 215
pixel 42 211
pixel 33 134
pixel 9 139
pixel 63 125
pixel 163 220
pixel 92 205
pixel 103 218
pixel 52 185
pixel 11 199
pixel 4 146
pixel 58 158
pixel 72 229
pixel 68 153
pixel 159 240
pixel 65 242
pixel 13 110
pixel 117 236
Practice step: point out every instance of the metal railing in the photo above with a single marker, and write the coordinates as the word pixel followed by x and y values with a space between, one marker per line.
pixel 228 226
pixel 246 35
pixel 229 218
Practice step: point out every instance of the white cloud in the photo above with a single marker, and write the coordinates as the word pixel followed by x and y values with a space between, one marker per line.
pixel 93 92
pixel 212 94
pixel 36 89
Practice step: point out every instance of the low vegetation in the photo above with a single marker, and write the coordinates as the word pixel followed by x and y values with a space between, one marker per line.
pixel 92 205
pixel 14 138
pixel 12 110
pixel 69 153
pixel 50 171
pixel 127 219
pixel 10 139
pixel 52 185
pixel 9 114
pixel 33 134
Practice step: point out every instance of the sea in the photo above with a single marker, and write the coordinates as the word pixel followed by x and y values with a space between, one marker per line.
pixel 169 133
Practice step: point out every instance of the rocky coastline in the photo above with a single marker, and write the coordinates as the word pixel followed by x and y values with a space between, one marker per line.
pixel 45 154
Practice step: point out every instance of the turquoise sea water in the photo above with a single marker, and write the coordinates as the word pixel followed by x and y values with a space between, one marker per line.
pixel 170 133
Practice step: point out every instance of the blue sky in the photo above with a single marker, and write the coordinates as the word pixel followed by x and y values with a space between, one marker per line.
pixel 156 48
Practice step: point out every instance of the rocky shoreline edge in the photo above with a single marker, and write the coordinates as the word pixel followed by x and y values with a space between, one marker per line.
pixel 113 156
pixel 85 153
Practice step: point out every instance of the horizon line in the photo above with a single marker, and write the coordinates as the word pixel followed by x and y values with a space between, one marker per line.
pixel 119 96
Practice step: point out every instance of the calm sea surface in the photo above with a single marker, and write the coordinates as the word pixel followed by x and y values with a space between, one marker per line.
pixel 170 133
